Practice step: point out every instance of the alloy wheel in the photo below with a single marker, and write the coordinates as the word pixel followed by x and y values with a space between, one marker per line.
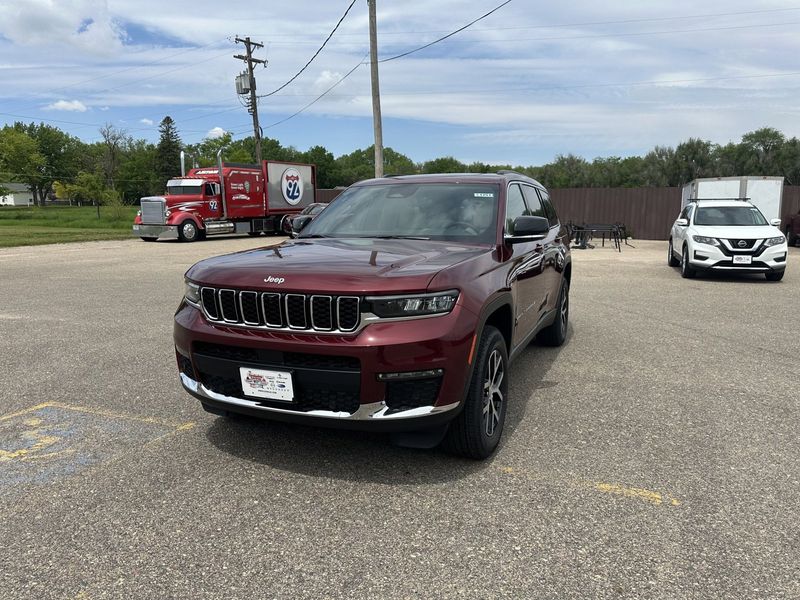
pixel 492 394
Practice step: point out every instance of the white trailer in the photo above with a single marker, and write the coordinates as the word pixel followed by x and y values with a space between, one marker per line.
pixel 764 192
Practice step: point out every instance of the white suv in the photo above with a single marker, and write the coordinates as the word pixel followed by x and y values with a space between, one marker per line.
pixel 727 236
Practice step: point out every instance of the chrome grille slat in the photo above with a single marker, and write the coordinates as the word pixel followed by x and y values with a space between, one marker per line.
pixel 208 297
pixel 271 305
pixel 248 307
pixel 348 312
pixel 284 312
pixel 322 313
pixel 227 306
pixel 296 311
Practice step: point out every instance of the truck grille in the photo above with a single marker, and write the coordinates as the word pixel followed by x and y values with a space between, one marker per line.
pixel 295 312
pixel 152 211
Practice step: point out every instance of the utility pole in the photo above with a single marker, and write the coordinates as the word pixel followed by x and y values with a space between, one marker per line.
pixel 253 101
pixel 376 91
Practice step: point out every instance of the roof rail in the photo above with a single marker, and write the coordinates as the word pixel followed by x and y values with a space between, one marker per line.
pixel 510 172
pixel 726 199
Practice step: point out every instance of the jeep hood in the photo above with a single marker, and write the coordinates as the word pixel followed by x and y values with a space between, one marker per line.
pixel 336 266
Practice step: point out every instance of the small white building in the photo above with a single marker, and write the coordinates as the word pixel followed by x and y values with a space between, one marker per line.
pixel 19 194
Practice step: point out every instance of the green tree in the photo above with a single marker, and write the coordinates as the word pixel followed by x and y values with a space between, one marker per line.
pixel 168 151
pixel 693 159
pixel 61 153
pixel 114 142
pixel 137 176
pixel 763 147
pixel 328 175
pixel 447 164
pixel 21 161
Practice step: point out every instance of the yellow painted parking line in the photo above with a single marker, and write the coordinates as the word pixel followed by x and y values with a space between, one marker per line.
pixel 94 411
pixel 54 439
pixel 635 493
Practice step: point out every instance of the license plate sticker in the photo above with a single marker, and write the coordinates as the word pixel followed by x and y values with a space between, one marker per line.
pixel 742 260
pixel 271 385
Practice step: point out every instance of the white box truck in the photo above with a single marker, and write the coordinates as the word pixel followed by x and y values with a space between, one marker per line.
pixel 764 192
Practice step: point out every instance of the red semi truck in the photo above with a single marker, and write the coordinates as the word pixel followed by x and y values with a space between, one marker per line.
pixel 231 198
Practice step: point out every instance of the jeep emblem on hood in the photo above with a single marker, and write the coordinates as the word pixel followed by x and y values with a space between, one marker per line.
pixel 271 279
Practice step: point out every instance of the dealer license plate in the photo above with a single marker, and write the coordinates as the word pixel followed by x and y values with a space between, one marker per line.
pixel 271 385
pixel 742 260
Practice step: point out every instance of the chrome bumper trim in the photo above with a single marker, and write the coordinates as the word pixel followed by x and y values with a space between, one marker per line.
pixel 374 411
pixel 161 232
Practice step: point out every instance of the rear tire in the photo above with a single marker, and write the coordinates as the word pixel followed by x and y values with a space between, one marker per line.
pixel 671 260
pixel 149 239
pixel 687 272
pixel 253 233
pixel 556 333
pixel 187 231
pixel 776 276
pixel 476 431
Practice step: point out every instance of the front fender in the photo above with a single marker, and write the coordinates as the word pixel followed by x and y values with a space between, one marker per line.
pixel 179 216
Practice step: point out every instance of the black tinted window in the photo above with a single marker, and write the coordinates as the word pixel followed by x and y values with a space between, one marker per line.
pixel 515 207
pixel 535 207
pixel 549 209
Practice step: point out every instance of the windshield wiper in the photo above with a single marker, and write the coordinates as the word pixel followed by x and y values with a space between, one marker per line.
pixel 398 237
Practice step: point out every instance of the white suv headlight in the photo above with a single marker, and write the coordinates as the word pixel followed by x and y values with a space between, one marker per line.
pixel 776 241
pixel 701 239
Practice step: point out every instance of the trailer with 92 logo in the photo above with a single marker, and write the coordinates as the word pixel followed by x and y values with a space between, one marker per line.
pixel 228 198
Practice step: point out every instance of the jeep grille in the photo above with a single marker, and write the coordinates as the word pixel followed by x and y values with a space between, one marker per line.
pixel 291 312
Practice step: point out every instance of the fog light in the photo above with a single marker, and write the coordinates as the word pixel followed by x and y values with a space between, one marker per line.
pixel 428 374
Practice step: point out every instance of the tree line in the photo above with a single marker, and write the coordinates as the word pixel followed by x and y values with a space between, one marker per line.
pixel 121 169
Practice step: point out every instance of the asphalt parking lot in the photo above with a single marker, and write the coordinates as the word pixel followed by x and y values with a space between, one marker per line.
pixel 655 455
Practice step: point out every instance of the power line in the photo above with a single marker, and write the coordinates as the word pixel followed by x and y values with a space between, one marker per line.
pixel 451 34
pixel 580 24
pixel 318 98
pixel 330 35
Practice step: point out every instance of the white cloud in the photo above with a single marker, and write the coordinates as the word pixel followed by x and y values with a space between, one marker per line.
pixel 146 121
pixel 216 132
pixel 67 105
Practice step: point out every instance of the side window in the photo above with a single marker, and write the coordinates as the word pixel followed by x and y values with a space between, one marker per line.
pixel 515 206
pixel 549 209
pixel 535 205
pixel 685 212
pixel 209 189
pixel 690 212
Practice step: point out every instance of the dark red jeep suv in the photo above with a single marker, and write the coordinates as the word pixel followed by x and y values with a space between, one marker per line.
pixel 397 309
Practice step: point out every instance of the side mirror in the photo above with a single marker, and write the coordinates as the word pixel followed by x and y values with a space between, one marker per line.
pixel 528 229
pixel 775 222
pixel 682 222
pixel 299 223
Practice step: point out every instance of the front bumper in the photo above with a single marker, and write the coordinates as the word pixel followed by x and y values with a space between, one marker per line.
pixel 713 258
pixel 392 347
pixel 159 232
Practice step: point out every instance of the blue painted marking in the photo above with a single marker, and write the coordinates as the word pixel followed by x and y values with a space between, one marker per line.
pixel 53 442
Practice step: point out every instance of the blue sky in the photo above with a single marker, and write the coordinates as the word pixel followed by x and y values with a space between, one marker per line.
pixel 529 82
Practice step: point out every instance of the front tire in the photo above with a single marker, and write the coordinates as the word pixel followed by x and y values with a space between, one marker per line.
pixel 556 333
pixel 187 231
pixel 475 432
pixel 791 238
pixel 687 272
pixel 671 260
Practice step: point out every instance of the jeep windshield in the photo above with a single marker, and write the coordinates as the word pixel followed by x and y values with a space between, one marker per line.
pixel 730 216
pixel 458 212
